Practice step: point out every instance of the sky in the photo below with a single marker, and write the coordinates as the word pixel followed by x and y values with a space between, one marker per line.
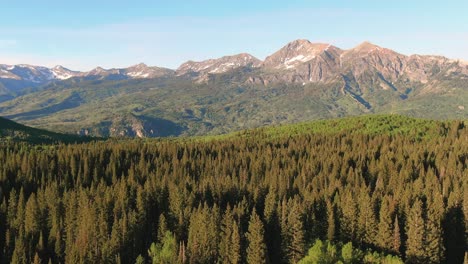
pixel 81 35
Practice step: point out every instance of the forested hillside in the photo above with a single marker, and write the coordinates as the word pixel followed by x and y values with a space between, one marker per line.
pixel 392 186
pixel 14 132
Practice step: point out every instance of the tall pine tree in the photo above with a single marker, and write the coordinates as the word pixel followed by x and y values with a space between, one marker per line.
pixel 415 230
pixel 296 233
pixel 384 231
pixel 256 250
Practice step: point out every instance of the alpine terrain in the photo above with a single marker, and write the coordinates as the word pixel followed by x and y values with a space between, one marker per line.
pixel 301 81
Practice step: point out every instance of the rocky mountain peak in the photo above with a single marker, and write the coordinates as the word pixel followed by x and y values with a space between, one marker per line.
pixel 296 53
pixel 139 66
pixel 219 65
pixel 304 45
pixel 366 48
pixel 97 71
pixel 142 70
pixel 62 73
pixel 59 68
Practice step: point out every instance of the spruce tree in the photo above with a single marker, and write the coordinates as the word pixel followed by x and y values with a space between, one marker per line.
pixel 256 250
pixel 396 239
pixel 31 216
pixel 434 234
pixel 224 249
pixel 384 237
pixel 162 227
pixel 415 230
pixel 235 257
pixel 349 221
pixel 297 244
pixel 366 222
pixel 36 260
pixel 19 254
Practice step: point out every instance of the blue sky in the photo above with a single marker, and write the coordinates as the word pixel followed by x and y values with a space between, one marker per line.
pixel 84 34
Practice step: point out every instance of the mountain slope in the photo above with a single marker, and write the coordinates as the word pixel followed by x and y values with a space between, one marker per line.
pixel 201 71
pixel 12 131
pixel 301 81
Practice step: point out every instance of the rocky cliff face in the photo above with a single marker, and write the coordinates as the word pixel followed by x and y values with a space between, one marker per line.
pixel 366 66
pixel 297 53
pixel 366 57
pixel 301 62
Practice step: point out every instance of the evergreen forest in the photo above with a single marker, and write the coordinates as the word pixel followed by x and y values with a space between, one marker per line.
pixel 371 189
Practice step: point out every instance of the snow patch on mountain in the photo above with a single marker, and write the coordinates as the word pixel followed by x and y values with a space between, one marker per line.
pixel 138 74
pixel 220 65
pixel 294 54
pixel 290 62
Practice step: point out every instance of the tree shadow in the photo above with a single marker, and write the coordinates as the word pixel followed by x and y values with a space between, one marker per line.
pixel 453 226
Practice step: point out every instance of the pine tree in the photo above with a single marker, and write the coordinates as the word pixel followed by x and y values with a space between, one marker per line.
pixel 164 252
pixel 202 237
pixel 349 222
pixel 58 246
pixel 36 260
pixel 415 230
pixel 235 244
pixel 19 254
pixel 284 230
pixel 19 221
pixel 31 216
pixel 434 240
pixel 396 239
pixel 366 221
pixel 225 245
pixel 162 227
pixel 256 251
pixel 297 244
pixel 384 237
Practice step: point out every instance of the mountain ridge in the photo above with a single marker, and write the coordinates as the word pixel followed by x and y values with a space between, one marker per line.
pixel 312 49
pixel 301 81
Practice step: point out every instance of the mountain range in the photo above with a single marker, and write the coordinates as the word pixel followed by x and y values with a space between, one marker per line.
pixel 301 81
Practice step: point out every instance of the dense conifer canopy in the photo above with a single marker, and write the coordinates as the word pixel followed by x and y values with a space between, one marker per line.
pixel 267 194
